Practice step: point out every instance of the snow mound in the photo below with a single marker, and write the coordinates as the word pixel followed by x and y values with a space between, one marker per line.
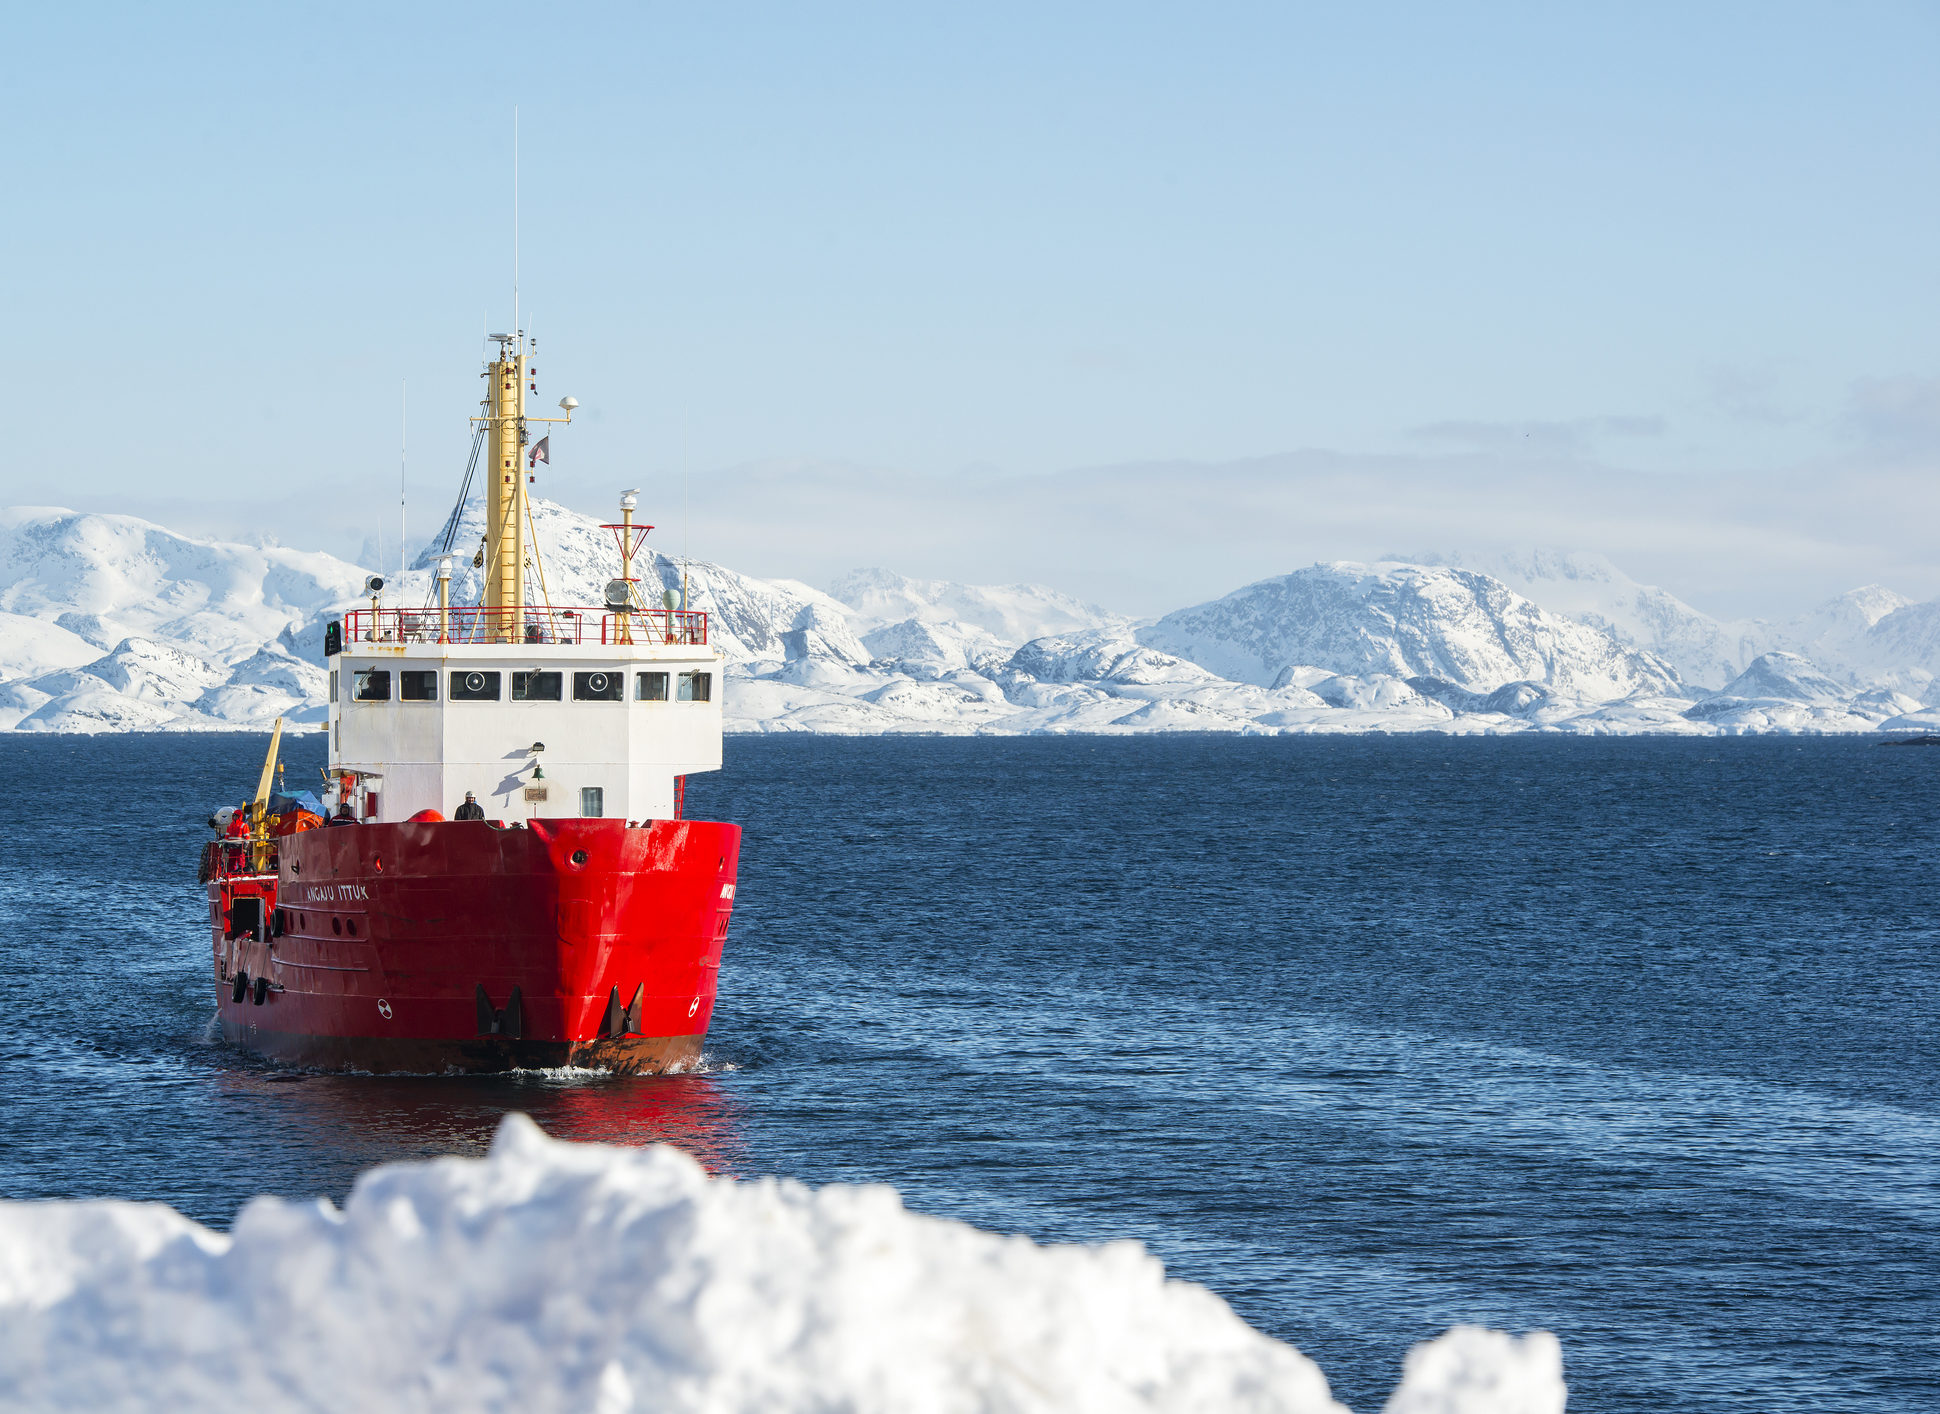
pixel 561 1276
pixel 1475 1371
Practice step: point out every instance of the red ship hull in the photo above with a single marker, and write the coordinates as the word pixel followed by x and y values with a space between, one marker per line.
pixel 457 946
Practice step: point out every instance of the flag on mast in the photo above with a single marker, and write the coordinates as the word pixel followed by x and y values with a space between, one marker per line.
pixel 541 452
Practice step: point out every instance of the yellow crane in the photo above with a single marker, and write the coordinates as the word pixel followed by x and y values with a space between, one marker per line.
pixel 259 807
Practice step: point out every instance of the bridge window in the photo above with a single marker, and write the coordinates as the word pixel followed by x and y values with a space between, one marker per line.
pixel 652 688
pixel 696 687
pixel 474 687
pixel 537 687
pixel 599 687
pixel 372 685
pixel 592 801
pixel 418 686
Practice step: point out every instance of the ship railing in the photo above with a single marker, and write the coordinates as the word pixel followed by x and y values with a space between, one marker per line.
pixel 529 625
pixel 223 859
pixel 655 626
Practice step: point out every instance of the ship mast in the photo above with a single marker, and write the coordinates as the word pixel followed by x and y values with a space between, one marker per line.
pixel 505 507
pixel 508 378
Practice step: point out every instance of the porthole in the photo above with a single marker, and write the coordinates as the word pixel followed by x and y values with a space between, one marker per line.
pixel 579 856
pixel 337 926
pixel 350 927
pixel 377 863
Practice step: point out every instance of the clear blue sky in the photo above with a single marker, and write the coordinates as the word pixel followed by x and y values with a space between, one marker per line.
pixel 879 282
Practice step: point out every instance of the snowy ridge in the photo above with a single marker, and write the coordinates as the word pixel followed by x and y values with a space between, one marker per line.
pixel 1591 590
pixel 110 623
pixel 1869 636
pixel 113 623
pixel 1015 613
pixel 560 1276
pixel 1407 621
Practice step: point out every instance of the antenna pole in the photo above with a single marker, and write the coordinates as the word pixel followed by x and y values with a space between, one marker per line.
pixel 515 220
pixel 403 431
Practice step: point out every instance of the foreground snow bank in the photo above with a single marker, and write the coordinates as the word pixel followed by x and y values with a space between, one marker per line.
pixel 562 1276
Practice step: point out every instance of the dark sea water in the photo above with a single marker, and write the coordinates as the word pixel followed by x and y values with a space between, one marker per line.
pixel 1632 1040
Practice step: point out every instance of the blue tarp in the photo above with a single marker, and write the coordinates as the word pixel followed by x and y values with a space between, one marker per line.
pixel 302 800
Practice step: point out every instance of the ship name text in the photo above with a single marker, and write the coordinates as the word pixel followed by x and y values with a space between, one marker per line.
pixel 333 893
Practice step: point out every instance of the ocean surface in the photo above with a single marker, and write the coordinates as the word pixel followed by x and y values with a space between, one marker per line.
pixel 1632 1040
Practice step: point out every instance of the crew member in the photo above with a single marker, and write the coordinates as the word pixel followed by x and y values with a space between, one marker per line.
pixel 470 810
pixel 343 815
pixel 238 824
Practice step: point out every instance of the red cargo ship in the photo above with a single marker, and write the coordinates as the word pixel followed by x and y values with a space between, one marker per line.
pixel 581 920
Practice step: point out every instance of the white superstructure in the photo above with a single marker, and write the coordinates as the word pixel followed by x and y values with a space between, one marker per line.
pixel 543 729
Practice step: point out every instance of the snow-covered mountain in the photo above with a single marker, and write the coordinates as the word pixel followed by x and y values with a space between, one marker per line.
pixel 113 623
pixel 1407 621
pixel 1847 636
pixel 1588 588
pixel 1014 613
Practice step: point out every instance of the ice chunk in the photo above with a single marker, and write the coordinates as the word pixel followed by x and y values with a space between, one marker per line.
pixel 1475 1371
pixel 560 1276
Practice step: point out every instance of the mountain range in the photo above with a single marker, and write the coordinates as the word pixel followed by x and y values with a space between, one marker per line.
pixel 113 623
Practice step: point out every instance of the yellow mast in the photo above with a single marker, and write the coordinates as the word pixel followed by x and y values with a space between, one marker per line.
pixel 505 511
pixel 508 509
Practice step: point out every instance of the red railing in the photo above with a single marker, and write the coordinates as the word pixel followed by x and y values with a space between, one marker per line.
pixel 548 625
pixel 654 626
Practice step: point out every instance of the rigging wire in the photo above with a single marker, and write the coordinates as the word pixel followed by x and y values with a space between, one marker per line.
pixel 457 512
pixel 464 491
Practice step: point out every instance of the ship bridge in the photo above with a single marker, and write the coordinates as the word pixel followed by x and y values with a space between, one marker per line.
pixel 586 713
